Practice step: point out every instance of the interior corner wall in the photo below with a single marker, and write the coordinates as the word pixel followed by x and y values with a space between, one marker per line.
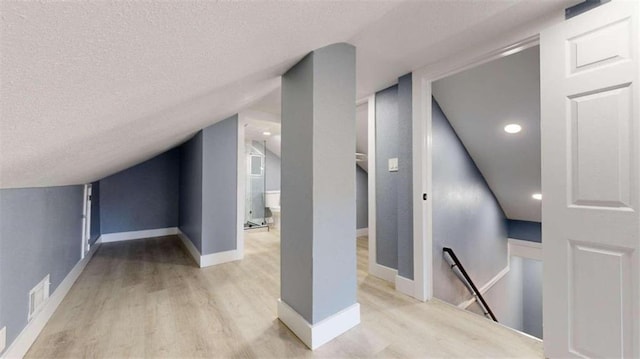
pixel 394 190
pixel 40 234
pixel 142 197
pixel 466 216
pixel 95 212
pixel 362 198
pixel 219 186
pixel 190 191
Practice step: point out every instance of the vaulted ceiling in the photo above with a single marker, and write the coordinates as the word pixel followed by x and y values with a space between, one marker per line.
pixel 90 88
pixel 479 103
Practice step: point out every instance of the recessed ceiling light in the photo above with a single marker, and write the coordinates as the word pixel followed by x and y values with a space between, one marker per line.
pixel 266 133
pixel 512 128
pixel 537 196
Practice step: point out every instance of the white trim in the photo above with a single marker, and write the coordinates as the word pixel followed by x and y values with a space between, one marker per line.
pixel 525 249
pixel 487 286
pixel 512 41
pixel 30 333
pixel 315 335
pixel 84 222
pixel 240 187
pixel 383 272
pixel 405 285
pixel 147 233
pixel 371 178
pixel 191 248
pixel 208 259
pixel 421 161
pixel 220 257
pixel 362 232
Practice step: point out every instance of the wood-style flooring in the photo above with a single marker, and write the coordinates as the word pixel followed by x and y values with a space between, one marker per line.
pixel 147 298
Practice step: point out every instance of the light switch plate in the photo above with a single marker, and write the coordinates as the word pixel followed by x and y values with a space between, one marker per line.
pixel 393 164
pixel 3 338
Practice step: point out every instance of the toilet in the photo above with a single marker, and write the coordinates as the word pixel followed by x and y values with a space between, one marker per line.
pixel 272 201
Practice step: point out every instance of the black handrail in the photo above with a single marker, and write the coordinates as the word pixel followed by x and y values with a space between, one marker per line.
pixel 474 289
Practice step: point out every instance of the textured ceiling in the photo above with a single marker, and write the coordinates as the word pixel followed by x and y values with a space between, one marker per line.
pixel 478 103
pixel 90 88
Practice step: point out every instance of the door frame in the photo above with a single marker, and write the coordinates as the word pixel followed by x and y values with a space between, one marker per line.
pixel 86 220
pixel 514 41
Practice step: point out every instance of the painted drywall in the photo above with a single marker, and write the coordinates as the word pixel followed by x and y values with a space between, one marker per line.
pixel 466 216
pixel 219 186
pixel 190 192
pixel 142 197
pixel 296 232
pixel 362 198
pixel 505 298
pixel 272 171
pixel 510 163
pixel 525 230
pixel 516 299
pixel 532 297
pixel 95 212
pixel 405 177
pixel 40 234
pixel 386 182
pixel 394 190
pixel 318 258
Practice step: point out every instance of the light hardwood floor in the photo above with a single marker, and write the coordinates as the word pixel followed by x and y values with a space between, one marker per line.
pixel 147 298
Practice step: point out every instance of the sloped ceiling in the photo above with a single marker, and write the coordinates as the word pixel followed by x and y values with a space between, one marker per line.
pixel 478 103
pixel 90 88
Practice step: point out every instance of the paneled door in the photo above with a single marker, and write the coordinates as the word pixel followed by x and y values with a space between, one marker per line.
pixel 590 177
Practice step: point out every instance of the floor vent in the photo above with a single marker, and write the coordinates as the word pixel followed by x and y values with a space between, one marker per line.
pixel 38 296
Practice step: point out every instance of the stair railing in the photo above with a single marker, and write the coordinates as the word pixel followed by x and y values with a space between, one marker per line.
pixel 469 283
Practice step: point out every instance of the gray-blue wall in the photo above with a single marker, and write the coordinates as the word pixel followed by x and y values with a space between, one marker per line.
pixel 362 198
pixel 40 234
pixel 95 212
pixel 142 197
pixel 318 250
pixel 386 182
pixel 525 230
pixel 208 187
pixel 190 193
pixel 394 190
pixel 219 186
pixel 466 215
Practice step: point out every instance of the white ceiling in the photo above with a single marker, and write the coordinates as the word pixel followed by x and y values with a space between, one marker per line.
pixel 478 103
pixel 90 88
pixel 255 128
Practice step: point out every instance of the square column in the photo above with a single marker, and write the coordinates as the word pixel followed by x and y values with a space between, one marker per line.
pixel 318 198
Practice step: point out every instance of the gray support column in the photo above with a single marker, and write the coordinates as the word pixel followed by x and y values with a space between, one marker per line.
pixel 318 249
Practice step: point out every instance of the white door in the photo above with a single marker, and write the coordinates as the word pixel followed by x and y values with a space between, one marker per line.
pixel 590 179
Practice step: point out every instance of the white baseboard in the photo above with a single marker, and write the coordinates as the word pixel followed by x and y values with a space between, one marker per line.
pixel 383 272
pixel 486 287
pixel 313 336
pixel 362 232
pixel 30 333
pixel 208 259
pixel 147 233
pixel 405 285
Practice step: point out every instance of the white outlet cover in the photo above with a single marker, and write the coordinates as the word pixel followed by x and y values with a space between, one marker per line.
pixel 393 164
pixel 3 338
